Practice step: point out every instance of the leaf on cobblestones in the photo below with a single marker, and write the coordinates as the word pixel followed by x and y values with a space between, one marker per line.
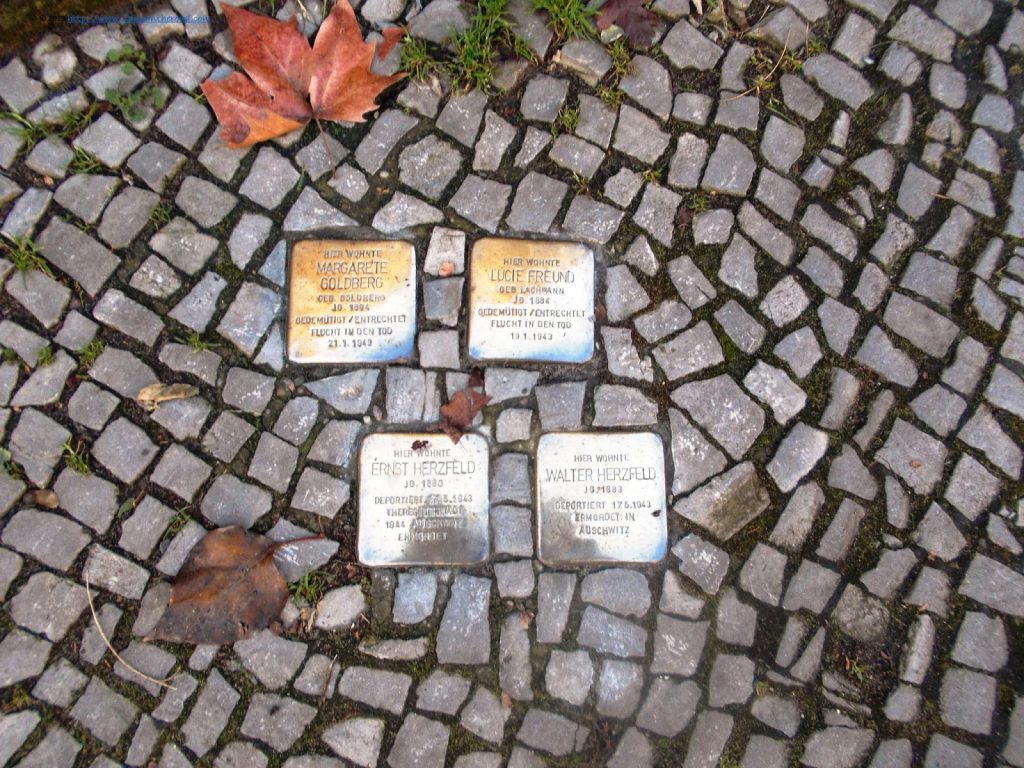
pixel 458 413
pixel 683 218
pixel 150 397
pixel 228 589
pixel 46 499
pixel 290 83
pixel 638 24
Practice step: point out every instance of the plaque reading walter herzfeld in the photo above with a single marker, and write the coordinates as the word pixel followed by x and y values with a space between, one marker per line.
pixel 351 301
pixel 423 500
pixel 531 300
pixel 601 498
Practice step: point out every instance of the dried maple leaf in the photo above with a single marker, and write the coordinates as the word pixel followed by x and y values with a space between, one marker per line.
pixel 228 589
pixel 639 25
pixel 458 413
pixel 292 83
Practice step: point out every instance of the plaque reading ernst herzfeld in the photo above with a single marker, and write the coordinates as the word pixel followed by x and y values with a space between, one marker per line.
pixel 531 300
pixel 351 301
pixel 423 500
pixel 601 498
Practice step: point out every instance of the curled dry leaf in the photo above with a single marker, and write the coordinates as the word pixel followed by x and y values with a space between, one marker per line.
pixel 150 397
pixel 46 499
pixel 458 413
pixel 228 589
pixel 446 269
pixel 289 82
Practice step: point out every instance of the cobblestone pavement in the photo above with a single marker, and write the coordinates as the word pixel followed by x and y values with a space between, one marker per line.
pixel 810 283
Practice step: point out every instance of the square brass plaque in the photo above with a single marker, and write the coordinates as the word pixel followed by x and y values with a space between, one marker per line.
pixel 601 498
pixel 423 500
pixel 531 300
pixel 351 301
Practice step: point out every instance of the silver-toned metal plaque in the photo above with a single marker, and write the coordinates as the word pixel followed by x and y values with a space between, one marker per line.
pixel 423 500
pixel 351 301
pixel 531 300
pixel 601 498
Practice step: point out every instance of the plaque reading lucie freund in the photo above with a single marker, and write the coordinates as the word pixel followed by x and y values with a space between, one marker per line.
pixel 351 301
pixel 531 300
pixel 601 498
pixel 423 500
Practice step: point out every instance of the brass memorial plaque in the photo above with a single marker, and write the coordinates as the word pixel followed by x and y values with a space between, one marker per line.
pixel 601 498
pixel 531 300
pixel 351 301
pixel 423 500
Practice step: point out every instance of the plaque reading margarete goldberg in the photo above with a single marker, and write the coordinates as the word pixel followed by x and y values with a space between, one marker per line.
pixel 423 500
pixel 531 300
pixel 601 498
pixel 351 301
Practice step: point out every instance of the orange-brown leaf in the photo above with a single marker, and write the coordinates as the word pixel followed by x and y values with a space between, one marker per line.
pixel 292 82
pixel 277 56
pixel 391 37
pixel 342 86
pixel 244 111
pixel 458 413
pixel 228 589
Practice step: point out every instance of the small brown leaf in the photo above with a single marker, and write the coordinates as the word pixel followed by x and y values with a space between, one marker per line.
pixel 446 269
pixel 150 397
pixel 506 701
pixel 228 589
pixel 458 413
pixel 915 464
pixel 683 218
pixel 45 498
